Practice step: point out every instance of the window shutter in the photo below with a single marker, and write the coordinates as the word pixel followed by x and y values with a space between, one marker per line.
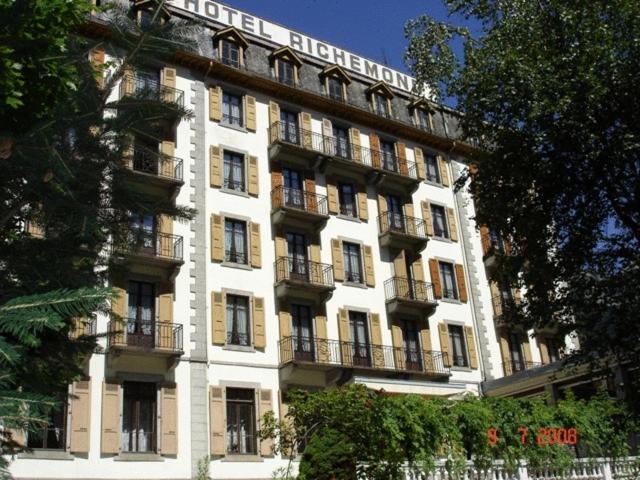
pixel 332 196
pixel 217 238
pixel 276 176
pixel 259 335
pixel 166 165
pixel 526 351
pixel 321 337
pixel 169 419
pixel 274 121
pixel 250 112
pixel 443 332
pixel 356 148
pixel 420 168
pixel 218 318
pixel 495 298
pixel 215 166
pixel 425 338
pixel 338 264
pixel 168 79
pixel 80 410
pixel 327 135
pixel 417 269
pixel 286 342
pixel 307 137
pixel 400 266
pixel 471 346
pixel 453 227
pixel 254 188
pixel 310 191
pixel 118 302
pixel 544 351
pixel 256 249
pixel 434 271
pixel 382 204
pixel 129 81
pixel 505 352
pixel 374 145
pixel 401 152
pixel 410 222
pixel 363 209
pixel 344 336
pixel 376 340
pixel 444 171
pixel 217 421
pixel 111 417
pixel 398 347
pixel 462 284
pixel 368 266
pixel 314 253
pixel 165 314
pixel 97 62
pixel 281 245
pixel 485 239
pixel 266 445
pixel 215 103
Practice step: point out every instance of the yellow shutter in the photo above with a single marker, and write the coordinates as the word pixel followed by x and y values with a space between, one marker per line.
pixel 166 165
pixel 356 148
pixel 401 153
pixel 443 333
pixel 215 103
pixel 425 338
pixel 218 324
pixel 471 346
pixel 374 145
pixel 129 81
pixel 215 166
pixel 119 301
pixel 544 351
pixel 286 342
pixel 169 419
pixel 526 351
pixel 97 62
pixel 398 347
pixel 400 265
pixel 505 353
pixel 314 253
pixel 426 216
pixel 332 196
pixel 495 298
pixel 281 245
pixel 444 171
pixel 368 266
pixel 80 411
pixel 259 334
pixel 409 221
pixel 321 337
pixel 168 79
pixel 434 271
pixel 453 227
pixel 462 284
pixel 217 421
pixel 217 238
pixel 165 303
pixel 256 249
pixel 274 121
pixel 344 336
pixel 363 208
pixel 376 341
pixel 254 188
pixel 338 262
pixel 266 405
pixel 417 270
pixel 250 108
pixel 307 138
pixel 110 433
pixel 420 168
pixel 382 204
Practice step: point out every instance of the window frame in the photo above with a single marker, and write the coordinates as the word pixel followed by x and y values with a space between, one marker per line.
pixel 280 69
pixel 464 354
pixel 224 120
pixel 422 115
pixel 354 249
pixel 334 82
pixel 247 246
pixel 339 186
pixel 237 403
pixel 456 294
pixel 244 169
pixel 249 318
pixel 54 416
pixel 378 99
pixel 155 403
pixel 230 61
pixel 428 156
pixel 445 221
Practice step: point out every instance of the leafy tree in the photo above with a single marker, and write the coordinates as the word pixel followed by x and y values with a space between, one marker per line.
pixel 548 88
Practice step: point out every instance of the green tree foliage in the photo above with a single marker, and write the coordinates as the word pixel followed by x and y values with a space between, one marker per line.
pixel 549 87
pixel 353 431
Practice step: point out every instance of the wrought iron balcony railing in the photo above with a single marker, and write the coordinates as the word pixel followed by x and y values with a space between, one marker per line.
pixel 143 87
pixel 403 224
pixel 502 306
pixel 147 161
pixel 515 366
pixel 397 288
pixel 83 327
pixel 304 271
pixel 364 355
pixel 149 244
pixel 493 244
pixel 146 334
pixel 299 199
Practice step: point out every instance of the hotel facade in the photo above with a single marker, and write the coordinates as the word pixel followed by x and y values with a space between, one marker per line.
pixel 329 248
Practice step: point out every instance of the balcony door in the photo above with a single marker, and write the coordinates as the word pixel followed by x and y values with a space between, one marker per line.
pixel 293 188
pixel 411 345
pixel 341 138
pixel 140 322
pixel 359 329
pixel 143 234
pixel 297 253
pixel 302 324
pixel 515 352
pixel 139 417
pixel 145 156
pixel 289 126
pixel 394 212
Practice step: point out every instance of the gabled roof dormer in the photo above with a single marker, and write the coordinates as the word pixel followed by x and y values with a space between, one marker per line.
pixel 335 81
pixel 380 96
pixel 231 46
pixel 380 88
pixel 232 34
pixel 140 8
pixel 336 71
pixel 285 65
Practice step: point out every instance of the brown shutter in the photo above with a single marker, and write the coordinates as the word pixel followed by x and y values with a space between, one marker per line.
pixel 453 227
pixel 168 79
pixel 505 353
pixel 471 346
pixel 80 410
pixel 215 103
pixel 444 171
pixel 338 262
pixel 485 239
pixel 111 417
pixel 266 405
pixel 368 266
pixel 97 62
pixel 363 209
pixel 321 337
pixel 356 148
pixel 256 249
pixel 425 338
pixel 169 419
pixel 374 145
pixel 250 109
pixel 259 334
pixel 274 121
pixel 332 196
pixel 434 271
pixel 401 152
pixel 217 421
pixel 382 204
pixel 217 238
pixel 310 191
pixel 495 298
pixel 217 318
pixel 544 351
pixel 462 284
pixel 400 265
pixel 344 336
pixel 254 188
pixel 409 221
pixel 215 166
pixel 426 216
pixel 376 340
pixel 307 136
pixel 398 347
pixel 327 135
pixel 443 333
pixel 420 168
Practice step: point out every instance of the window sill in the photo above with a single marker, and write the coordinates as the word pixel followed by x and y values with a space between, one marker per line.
pixel 354 284
pixel 243 458
pixel 240 266
pixel 240 193
pixel 442 239
pixel 435 184
pixel 239 348
pixel 138 457
pixel 44 454
pixel 233 127
pixel 455 301
pixel 349 218
pixel 461 369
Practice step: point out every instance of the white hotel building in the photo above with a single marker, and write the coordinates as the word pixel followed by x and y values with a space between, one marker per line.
pixel 329 248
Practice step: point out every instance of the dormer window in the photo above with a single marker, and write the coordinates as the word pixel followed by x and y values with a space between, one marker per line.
pixel 231 46
pixel 285 65
pixel 286 72
pixel 143 11
pixel 230 54
pixel 335 88
pixel 335 81
pixel 380 96
pixel 422 113
pixel 380 105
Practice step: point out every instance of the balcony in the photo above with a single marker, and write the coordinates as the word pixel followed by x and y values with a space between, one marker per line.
pixel 150 252
pixel 396 172
pixel 82 327
pixel 300 355
pixel 303 279
pixel 503 308
pixel 513 367
pixel 291 143
pixel 493 247
pixel 155 172
pixel 131 337
pixel 411 297
pixel 400 231
pixel 290 206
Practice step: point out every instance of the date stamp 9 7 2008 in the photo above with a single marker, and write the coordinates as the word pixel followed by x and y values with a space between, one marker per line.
pixel 544 436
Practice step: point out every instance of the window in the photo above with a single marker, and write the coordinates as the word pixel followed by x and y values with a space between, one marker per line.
pixel 142 236
pixel 439 221
pixel 297 253
pixel 241 421
pixel 335 86
pixel 448 279
pixel 141 314
pixel 232 109
pixel 145 17
pixel 303 341
pixel 347 199
pixel 497 242
pixel 394 212
pixel 412 351
pixel 235 241
pixel 553 348
pixel 433 174
pixel 234 171
pixel 380 104
pixel 422 119
pixel 53 435
pixel 139 417
pixel 515 352
pixel 238 331
pixel 458 350
pixel 286 72
pixel 293 188
pixel 359 331
pixel 288 126
pixel 145 155
pixel 388 155
pixel 341 139
pixel 230 53
pixel 352 263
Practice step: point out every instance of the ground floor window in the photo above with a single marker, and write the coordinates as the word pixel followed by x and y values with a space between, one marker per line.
pixel 139 417
pixel 241 421
pixel 53 435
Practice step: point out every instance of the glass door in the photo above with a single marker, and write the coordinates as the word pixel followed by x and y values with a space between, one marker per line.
pixel 303 345
pixel 515 351
pixel 143 234
pixel 288 126
pixel 360 339
pixel 141 314
pixel 293 188
pixel 412 352
pixel 297 253
pixel 395 215
pixel 139 417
